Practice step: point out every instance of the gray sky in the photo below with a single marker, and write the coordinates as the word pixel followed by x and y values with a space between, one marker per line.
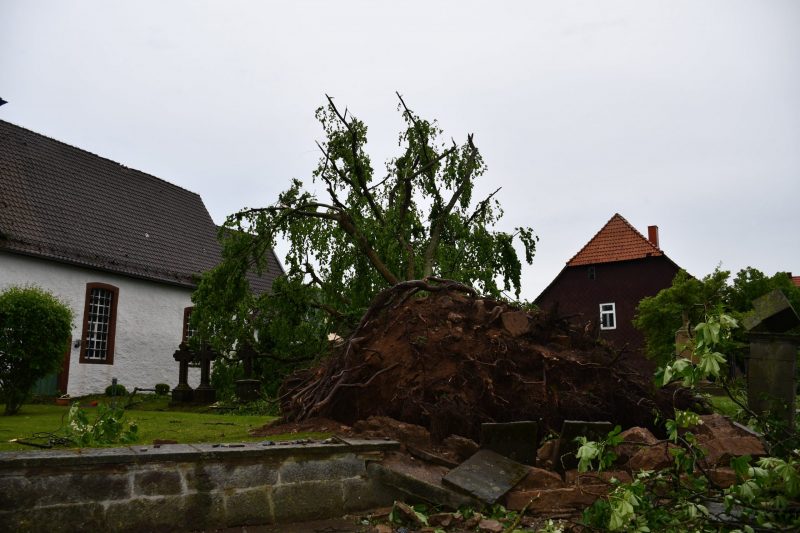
pixel 684 114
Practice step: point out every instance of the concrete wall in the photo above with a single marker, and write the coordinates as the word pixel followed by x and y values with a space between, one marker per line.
pixel 187 487
pixel 149 322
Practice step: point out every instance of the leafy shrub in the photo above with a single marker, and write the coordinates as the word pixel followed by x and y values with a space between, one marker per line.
pixel 116 390
pixel 162 389
pixel 34 331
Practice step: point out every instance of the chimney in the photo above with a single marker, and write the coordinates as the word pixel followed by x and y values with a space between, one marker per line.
pixel 652 235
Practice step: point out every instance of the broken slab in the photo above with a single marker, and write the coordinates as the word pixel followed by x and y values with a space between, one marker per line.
pixel 564 454
pixel 487 476
pixel 773 313
pixel 515 440
pixel 516 323
pixel 418 481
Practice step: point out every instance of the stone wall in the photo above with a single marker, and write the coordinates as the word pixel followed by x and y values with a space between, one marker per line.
pixel 187 487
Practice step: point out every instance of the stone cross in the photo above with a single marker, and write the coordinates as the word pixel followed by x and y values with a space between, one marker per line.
pixel 205 393
pixel 183 392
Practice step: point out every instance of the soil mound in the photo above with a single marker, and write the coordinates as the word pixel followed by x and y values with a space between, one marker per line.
pixel 435 354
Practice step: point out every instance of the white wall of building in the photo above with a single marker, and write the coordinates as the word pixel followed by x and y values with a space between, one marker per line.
pixel 148 330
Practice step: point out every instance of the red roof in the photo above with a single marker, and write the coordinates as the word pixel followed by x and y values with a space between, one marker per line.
pixel 616 241
pixel 796 280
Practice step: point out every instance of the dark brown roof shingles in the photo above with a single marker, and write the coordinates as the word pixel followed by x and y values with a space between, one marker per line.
pixel 66 204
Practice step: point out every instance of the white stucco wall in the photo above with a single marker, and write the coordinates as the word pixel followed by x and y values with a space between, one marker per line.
pixel 148 330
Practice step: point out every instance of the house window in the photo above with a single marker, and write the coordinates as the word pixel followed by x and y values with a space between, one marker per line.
pixel 188 330
pixel 608 316
pixel 99 323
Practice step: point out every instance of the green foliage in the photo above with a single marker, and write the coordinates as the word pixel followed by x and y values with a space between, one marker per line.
pixel 162 389
pixel 108 427
pixel 369 232
pixel 660 316
pixel 116 390
pixel 680 498
pixel 600 451
pixel 34 331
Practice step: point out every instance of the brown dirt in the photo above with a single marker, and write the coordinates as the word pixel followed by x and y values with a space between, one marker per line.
pixel 450 360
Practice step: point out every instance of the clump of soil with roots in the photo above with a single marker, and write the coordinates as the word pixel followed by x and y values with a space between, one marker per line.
pixel 435 353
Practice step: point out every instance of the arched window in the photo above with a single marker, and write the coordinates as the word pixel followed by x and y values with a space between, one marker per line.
pixel 99 324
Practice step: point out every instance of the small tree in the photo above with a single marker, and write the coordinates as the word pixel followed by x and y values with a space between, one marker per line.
pixel 34 331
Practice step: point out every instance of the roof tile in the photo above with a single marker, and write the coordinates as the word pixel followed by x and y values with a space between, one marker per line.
pixel 616 241
pixel 64 203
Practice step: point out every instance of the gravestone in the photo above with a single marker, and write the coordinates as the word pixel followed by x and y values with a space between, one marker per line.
pixel 183 393
pixel 247 389
pixel 773 356
pixel 516 440
pixel 205 393
pixel 564 453
pixel 487 476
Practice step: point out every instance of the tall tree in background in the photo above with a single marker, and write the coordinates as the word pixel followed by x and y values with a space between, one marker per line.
pixel 659 316
pixel 418 219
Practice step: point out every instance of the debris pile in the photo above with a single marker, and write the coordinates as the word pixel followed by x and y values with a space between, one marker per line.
pixel 435 354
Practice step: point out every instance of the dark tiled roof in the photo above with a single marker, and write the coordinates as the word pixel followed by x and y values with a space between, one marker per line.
pixel 616 241
pixel 66 204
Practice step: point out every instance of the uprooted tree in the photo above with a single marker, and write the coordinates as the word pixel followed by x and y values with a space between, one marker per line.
pixel 368 233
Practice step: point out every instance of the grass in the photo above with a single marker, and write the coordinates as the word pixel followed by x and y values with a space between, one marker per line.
pixel 723 405
pixel 153 417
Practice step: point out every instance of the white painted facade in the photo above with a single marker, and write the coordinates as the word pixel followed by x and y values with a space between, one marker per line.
pixel 149 323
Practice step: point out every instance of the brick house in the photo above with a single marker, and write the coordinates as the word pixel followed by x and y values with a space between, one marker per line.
pixel 122 248
pixel 601 286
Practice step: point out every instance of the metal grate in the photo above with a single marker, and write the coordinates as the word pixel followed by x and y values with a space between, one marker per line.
pixel 99 322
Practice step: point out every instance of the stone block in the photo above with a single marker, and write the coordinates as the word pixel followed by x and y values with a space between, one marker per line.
pixel 41 488
pixel 248 507
pixel 633 440
pixel 56 519
pixel 771 374
pixel 548 500
pixel 515 440
pixel 311 500
pixel 419 481
pixel 516 323
pixel 538 478
pixel 227 475
pixel 361 494
pixel 204 510
pixel 341 467
pixel 653 458
pixel 147 514
pixel 157 482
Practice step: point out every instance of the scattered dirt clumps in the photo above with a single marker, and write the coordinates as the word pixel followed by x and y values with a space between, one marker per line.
pixel 434 353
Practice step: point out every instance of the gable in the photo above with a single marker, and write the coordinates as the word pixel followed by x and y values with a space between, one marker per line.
pixel 616 241
pixel 65 204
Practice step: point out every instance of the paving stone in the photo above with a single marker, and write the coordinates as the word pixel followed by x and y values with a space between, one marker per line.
pixel 487 476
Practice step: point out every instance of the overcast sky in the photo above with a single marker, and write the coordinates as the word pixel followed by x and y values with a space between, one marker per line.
pixel 683 114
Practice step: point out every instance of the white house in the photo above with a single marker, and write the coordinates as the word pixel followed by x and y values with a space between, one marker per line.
pixel 122 248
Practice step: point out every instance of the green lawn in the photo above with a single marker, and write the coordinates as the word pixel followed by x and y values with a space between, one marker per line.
pixel 153 418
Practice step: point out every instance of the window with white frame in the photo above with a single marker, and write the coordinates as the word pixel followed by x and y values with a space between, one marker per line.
pixel 608 316
pixel 99 323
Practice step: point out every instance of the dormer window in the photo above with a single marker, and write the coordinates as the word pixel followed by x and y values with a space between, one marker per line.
pixel 99 324
pixel 608 316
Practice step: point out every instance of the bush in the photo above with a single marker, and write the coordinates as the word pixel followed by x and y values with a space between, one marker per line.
pixel 116 390
pixel 34 332
pixel 162 389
